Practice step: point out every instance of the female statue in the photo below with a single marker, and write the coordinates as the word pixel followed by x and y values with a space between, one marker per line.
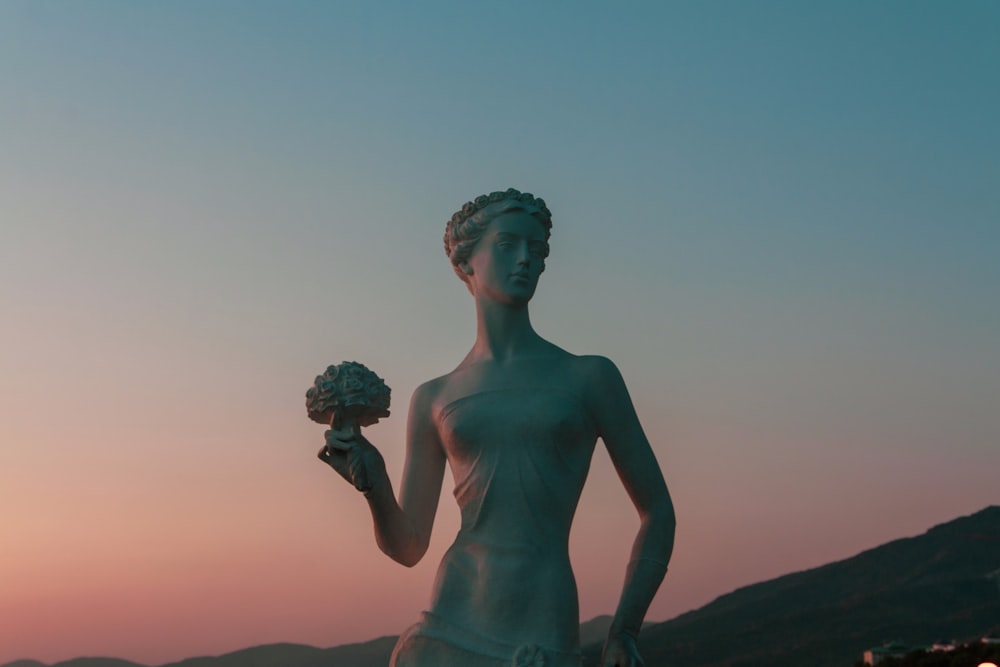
pixel 517 422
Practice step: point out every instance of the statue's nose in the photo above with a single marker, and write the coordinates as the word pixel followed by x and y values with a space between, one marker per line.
pixel 523 256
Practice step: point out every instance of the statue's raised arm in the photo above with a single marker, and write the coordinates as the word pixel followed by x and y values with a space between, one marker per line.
pixel 347 397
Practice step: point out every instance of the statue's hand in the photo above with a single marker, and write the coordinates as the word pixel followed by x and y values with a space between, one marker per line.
pixel 620 651
pixel 354 458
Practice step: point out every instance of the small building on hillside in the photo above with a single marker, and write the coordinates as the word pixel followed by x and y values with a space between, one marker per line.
pixel 875 655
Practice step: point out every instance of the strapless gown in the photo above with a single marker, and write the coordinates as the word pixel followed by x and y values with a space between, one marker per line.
pixel 505 592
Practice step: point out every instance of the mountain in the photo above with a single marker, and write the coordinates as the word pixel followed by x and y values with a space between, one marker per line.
pixel 268 655
pixel 596 629
pixel 942 584
pixel 374 653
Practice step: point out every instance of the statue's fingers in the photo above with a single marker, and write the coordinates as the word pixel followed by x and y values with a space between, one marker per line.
pixel 340 440
pixel 344 433
pixel 329 455
pixel 332 456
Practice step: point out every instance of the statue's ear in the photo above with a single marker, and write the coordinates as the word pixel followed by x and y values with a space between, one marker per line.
pixel 466 269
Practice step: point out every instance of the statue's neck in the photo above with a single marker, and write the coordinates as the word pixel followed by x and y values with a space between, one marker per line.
pixel 502 332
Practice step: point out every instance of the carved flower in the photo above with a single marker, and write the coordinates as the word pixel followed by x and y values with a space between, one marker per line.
pixel 529 655
pixel 349 391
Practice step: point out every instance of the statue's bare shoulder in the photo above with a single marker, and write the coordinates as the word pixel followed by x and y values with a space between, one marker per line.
pixel 426 397
pixel 600 385
pixel 591 372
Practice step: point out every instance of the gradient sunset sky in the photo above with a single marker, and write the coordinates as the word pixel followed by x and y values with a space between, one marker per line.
pixel 780 219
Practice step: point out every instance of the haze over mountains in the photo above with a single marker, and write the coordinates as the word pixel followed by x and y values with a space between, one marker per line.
pixel 944 584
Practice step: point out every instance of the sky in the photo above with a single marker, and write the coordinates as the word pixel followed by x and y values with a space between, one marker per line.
pixel 781 220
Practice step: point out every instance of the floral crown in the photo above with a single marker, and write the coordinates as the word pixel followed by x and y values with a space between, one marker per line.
pixel 455 235
pixel 470 208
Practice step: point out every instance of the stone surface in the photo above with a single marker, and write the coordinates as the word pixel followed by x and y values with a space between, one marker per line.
pixel 516 422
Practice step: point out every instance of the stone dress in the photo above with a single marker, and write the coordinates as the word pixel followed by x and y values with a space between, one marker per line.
pixel 505 592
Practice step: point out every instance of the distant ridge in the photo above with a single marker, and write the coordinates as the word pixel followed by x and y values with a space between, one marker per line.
pixel 371 653
pixel 944 584
pixel 268 654
pixel 939 585
pixel 363 654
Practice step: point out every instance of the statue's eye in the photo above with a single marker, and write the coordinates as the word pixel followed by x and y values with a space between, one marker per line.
pixel 537 250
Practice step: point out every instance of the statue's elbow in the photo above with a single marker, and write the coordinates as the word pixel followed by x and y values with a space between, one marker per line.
pixel 409 556
pixel 661 518
pixel 408 561
pixel 670 516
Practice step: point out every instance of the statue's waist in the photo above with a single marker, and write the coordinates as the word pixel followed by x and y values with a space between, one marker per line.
pixel 514 541
pixel 520 591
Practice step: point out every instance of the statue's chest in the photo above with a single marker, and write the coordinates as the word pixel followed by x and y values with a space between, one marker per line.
pixel 547 426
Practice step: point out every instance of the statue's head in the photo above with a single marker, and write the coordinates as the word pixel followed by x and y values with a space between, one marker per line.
pixel 468 224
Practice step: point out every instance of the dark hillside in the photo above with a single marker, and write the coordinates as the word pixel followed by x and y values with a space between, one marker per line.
pixel 943 583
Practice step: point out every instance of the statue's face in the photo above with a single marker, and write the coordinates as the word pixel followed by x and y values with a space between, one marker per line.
pixel 508 258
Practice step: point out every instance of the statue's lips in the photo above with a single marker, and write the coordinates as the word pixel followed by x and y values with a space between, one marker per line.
pixel 521 276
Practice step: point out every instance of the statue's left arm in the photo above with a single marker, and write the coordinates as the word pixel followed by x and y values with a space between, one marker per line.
pixel 633 458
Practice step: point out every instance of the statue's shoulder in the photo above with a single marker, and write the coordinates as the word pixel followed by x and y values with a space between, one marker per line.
pixel 576 368
pixel 593 376
pixel 564 359
pixel 426 395
pixel 592 365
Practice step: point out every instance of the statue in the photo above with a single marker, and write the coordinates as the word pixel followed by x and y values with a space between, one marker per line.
pixel 517 422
